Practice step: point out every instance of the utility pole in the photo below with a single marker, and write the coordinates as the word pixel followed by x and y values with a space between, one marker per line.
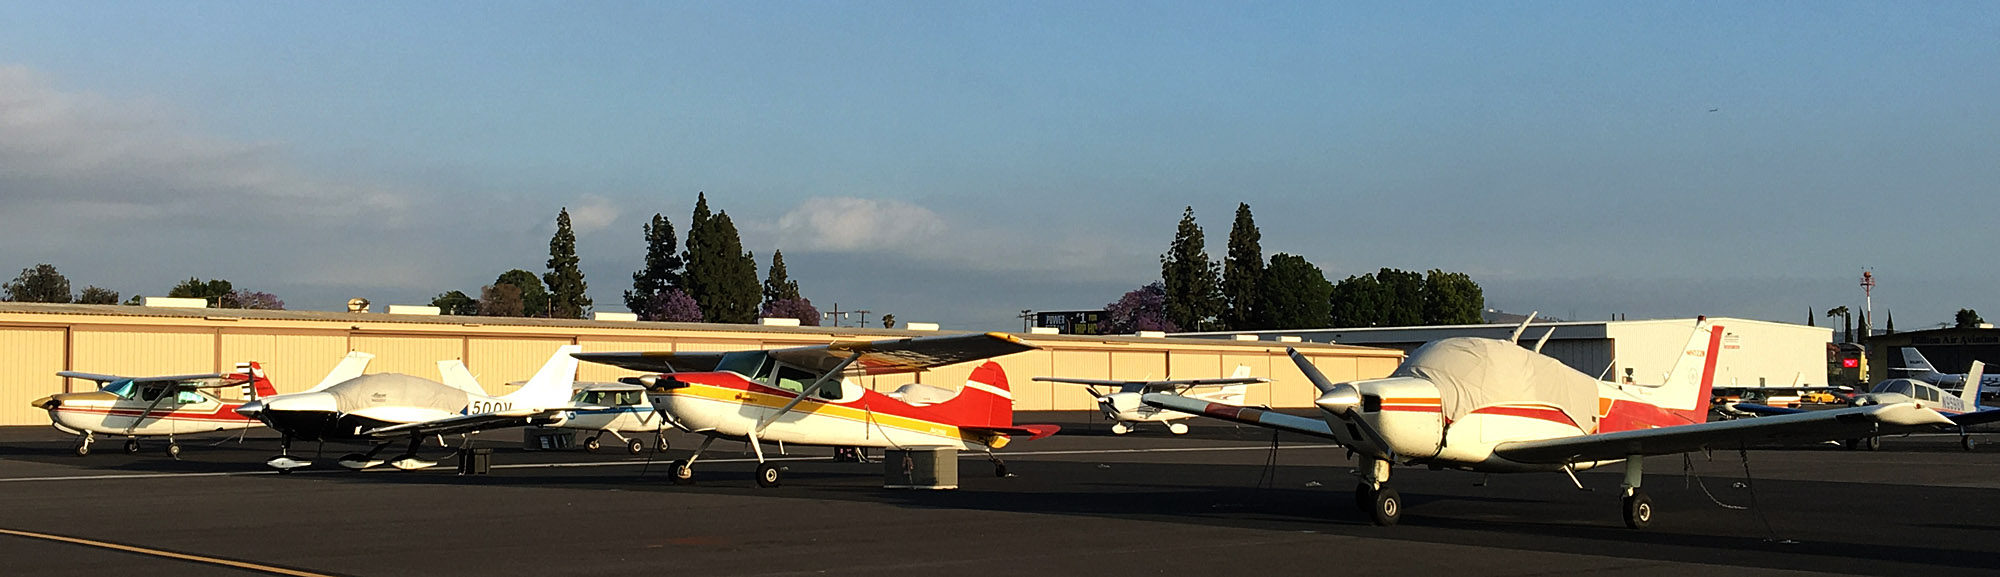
pixel 1868 303
pixel 835 314
pixel 1026 316
pixel 864 318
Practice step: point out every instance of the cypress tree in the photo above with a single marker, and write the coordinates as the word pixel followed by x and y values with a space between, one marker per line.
pixel 1194 298
pixel 1242 271
pixel 568 293
pixel 662 270
pixel 1295 294
pixel 721 277
pixel 778 285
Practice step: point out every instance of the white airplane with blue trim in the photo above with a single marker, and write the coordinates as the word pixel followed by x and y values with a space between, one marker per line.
pixel 1920 369
pixel 1962 407
pixel 1123 407
pixel 615 409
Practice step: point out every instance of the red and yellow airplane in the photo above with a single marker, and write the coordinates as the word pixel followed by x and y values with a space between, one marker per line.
pixel 799 396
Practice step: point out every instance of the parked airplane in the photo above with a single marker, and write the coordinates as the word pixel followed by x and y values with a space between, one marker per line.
pixel 1962 408
pixel 1920 369
pixel 1488 405
pixel 614 408
pixel 1124 408
pixel 137 407
pixel 800 396
pixel 383 408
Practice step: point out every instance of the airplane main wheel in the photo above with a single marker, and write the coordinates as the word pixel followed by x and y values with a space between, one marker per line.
pixel 83 449
pixel 1638 510
pixel 1872 443
pixel 592 444
pixel 1177 428
pixel 174 450
pixel 1120 428
pixel 1387 508
pixel 635 446
pixel 1967 442
pixel 1000 470
pixel 131 446
pixel 767 475
pixel 680 473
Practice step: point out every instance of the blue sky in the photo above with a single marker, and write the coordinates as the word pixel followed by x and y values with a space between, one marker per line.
pixel 959 162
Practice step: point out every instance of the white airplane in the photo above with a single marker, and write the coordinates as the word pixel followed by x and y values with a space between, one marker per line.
pixel 616 409
pixel 164 406
pixel 1123 407
pixel 800 396
pixel 1962 408
pixel 1920 369
pixel 382 408
pixel 1490 406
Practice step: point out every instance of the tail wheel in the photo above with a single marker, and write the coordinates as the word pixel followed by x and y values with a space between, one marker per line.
pixel 680 473
pixel 767 475
pixel 174 450
pixel 635 446
pixel 1638 510
pixel 131 446
pixel 1387 508
pixel 592 444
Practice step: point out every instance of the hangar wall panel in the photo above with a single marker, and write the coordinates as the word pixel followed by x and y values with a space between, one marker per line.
pixel 138 351
pixel 410 355
pixel 1260 366
pixel 294 361
pixel 1138 365
pixel 31 357
pixel 1022 368
pixel 1079 364
pixel 601 373
pixel 498 361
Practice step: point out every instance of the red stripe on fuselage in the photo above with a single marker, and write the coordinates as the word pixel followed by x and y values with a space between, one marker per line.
pixel 870 400
pixel 226 414
pixel 1549 414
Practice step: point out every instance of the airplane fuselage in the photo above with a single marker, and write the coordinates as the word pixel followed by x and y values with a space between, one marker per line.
pixel 728 405
pixel 103 413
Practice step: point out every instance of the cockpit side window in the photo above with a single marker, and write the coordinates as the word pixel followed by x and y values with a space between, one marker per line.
pixel 189 398
pixel 151 393
pixel 793 379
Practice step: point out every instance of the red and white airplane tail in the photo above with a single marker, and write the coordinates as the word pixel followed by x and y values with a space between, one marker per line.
pixel 1689 384
pixel 984 402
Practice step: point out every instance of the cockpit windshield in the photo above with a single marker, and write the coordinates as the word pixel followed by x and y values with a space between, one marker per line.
pixel 122 388
pixel 1897 386
pixel 755 365
pixel 609 398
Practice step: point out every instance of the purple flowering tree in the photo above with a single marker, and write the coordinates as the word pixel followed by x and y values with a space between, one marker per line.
pixel 1144 309
pixel 793 308
pixel 672 305
pixel 249 299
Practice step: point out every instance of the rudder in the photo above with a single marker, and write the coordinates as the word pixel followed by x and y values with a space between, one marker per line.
pixel 985 401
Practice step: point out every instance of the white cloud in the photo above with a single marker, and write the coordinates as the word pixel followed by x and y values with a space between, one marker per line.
pixel 593 213
pixel 848 224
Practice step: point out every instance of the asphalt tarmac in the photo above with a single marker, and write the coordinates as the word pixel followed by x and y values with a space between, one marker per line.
pixel 1085 503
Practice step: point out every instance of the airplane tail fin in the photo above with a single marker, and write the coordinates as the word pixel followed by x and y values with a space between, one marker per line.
pixel 455 374
pixel 1969 392
pixel 552 385
pixel 1915 362
pixel 984 402
pixel 1242 372
pixel 1692 380
pixel 350 367
pixel 1236 394
pixel 259 385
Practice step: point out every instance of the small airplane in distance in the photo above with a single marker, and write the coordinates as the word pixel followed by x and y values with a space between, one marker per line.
pixel 1962 408
pixel 616 409
pixel 137 407
pixel 383 408
pixel 1491 406
pixel 800 396
pixel 1726 400
pixel 1122 405
pixel 1920 369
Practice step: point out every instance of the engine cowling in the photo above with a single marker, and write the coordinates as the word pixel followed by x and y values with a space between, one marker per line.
pixel 1399 416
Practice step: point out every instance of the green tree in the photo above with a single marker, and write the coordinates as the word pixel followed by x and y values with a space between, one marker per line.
pixel 38 284
pixel 1194 297
pixel 1242 270
pixel 721 276
pixel 194 288
pixel 1403 297
pixel 569 294
pixel 501 300
pixel 1358 301
pixel 778 286
pixel 1295 295
pixel 1847 336
pixel 1452 298
pixel 92 295
pixel 662 271
pixel 456 303
pixel 534 300
pixel 1967 319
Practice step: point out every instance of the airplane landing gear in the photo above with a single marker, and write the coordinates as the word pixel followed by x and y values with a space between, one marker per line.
pixel 1387 506
pixel 680 472
pixel 131 446
pixel 659 443
pixel 1869 443
pixel 83 445
pixel 1177 428
pixel 635 446
pixel 1638 506
pixel 1374 495
pixel 1120 428
pixel 1967 442
pixel 174 450
pixel 592 444
pixel 767 475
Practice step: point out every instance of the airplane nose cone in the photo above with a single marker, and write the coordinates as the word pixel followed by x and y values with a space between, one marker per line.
pixel 300 402
pixel 48 402
pixel 251 409
pixel 1340 400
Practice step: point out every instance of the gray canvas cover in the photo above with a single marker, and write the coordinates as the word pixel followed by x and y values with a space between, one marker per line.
pixel 1472 372
pixel 396 390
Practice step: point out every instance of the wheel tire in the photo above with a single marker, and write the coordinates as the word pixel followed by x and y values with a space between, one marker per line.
pixel 284 471
pixel 174 450
pixel 592 444
pixel 1638 510
pixel 1387 507
pixel 1177 428
pixel 131 446
pixel 1967 442
pixel 767 475
pixel 1873 443
pixel 1120 429
pixel 680 473
pixel 635 446
pixel 82 449
pixel 660 444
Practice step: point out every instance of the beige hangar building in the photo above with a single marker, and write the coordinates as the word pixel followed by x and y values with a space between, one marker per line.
pixel 297 348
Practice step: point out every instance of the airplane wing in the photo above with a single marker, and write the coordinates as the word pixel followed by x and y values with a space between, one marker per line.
pixel 475 422
pixel 1975 417
pixel 874 357
pixel 1245 415
pixel 170 378
pixel 1831 424
pixel 1756 409
pixel 1161 385
pixel 1032 432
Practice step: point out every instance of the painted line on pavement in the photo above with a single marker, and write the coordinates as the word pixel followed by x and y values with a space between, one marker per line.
pixel 233 564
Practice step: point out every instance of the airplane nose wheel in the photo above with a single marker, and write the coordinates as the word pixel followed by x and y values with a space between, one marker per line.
pixel 592 444
pixel 1638 510
pixel 131 446
pixel 83 448
pixel 174 450
pixel 767 475
pixel 1385 505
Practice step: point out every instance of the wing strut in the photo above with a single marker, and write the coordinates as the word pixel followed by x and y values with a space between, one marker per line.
pixel 832 375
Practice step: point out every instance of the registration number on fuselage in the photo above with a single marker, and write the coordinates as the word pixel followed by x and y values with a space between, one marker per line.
pixel 478 407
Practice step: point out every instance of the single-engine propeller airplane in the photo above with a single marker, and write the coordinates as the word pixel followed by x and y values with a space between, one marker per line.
pixel 164 406
pixel 799 396
pixel 1488 405
pixel 612 408
pixel 1122 405
pixel 383 408
pixel 1962 408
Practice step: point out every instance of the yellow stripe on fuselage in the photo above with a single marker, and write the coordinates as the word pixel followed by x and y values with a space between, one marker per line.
pixel 820 408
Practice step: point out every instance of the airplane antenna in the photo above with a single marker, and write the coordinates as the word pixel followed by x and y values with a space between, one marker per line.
pixel 1544 340
pixel 1524 326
